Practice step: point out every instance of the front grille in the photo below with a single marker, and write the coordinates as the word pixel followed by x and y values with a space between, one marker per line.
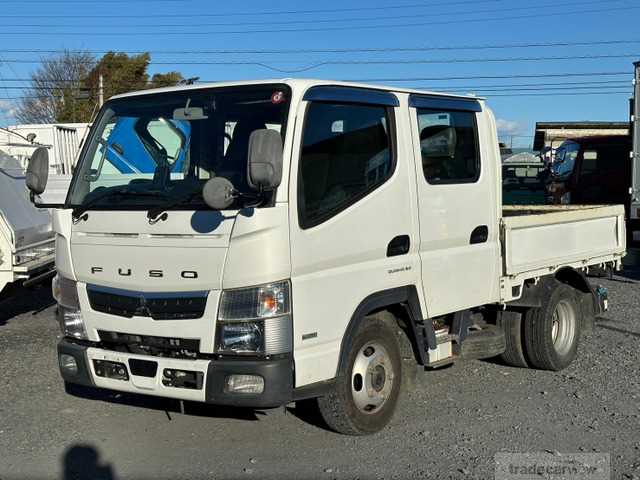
pixel 116 339
pixel 159 306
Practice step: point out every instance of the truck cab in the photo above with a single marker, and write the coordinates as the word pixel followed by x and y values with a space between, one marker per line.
pixel 592 170
pixel 258 243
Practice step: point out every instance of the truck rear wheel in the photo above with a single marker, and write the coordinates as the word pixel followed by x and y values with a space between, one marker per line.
pixel 368 387
pixel 552 332
pixel 511 324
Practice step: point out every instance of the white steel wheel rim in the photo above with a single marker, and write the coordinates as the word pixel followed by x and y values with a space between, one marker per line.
pixel 372 378
pixel 563 327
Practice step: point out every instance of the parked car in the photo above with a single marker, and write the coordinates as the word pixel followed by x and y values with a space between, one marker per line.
pixel 306 239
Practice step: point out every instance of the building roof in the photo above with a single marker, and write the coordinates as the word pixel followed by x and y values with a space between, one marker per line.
pixel 571 125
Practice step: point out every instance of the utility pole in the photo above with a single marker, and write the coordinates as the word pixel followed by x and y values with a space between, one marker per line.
pixel 100 91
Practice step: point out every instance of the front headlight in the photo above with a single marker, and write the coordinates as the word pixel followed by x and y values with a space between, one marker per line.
pixel 65 292
pixel 255 320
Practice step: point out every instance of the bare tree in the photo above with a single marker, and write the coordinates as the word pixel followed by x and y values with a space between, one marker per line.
pixel 55 91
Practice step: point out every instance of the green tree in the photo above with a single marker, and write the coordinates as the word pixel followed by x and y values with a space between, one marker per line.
pixel 168 79
pixel 66 87
pixel 123 73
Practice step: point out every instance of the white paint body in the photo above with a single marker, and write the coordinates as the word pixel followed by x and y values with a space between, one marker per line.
pixel 62 140
pixel 26 236
pixel 334 266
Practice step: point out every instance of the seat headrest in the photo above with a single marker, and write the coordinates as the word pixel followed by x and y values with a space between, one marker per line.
pixel 438 141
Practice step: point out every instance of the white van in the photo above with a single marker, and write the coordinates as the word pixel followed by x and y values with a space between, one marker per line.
pixel 260 243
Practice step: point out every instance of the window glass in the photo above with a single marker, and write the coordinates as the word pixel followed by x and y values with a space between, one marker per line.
pixel 448 145
pixel 167 145
pixel 168 136
pixel 346 153
pixel 519 176
pixel 590 161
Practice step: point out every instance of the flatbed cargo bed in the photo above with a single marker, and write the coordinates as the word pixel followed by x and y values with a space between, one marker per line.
pixel 538 240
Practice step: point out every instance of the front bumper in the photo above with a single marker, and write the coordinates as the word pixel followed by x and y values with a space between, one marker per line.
pixel 277 375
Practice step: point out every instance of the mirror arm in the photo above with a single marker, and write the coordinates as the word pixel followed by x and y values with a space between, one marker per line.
pixel 256 198
pixel 36 201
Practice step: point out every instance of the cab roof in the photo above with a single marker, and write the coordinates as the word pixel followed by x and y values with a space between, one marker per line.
pixel 295 84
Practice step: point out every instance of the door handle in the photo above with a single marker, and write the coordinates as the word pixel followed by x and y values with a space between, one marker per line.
pixel 399 246
pixel 480 234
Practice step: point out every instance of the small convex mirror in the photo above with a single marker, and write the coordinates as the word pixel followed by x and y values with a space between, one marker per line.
pixel 218 193
pixel 38 171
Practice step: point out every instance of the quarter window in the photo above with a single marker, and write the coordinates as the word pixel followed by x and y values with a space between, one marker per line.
pixel 346 153
pixel 449 147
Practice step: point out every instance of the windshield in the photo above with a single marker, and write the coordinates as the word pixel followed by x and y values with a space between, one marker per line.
pixel 160 148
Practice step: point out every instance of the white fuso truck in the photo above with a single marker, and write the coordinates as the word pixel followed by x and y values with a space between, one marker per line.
pixel 260 243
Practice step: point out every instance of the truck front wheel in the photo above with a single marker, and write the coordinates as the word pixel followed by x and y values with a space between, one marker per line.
pixel 552 332
pixel 368 387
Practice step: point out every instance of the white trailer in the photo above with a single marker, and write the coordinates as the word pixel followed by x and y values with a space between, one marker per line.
pixel 26 236
pixel 337 237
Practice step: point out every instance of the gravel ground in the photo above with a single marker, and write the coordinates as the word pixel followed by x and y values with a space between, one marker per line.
pixel 451 426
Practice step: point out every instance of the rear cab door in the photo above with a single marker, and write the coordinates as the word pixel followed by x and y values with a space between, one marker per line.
pixel 457 162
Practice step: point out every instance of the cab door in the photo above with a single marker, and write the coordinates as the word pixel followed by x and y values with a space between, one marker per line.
pixel 457 186
pixel 352 228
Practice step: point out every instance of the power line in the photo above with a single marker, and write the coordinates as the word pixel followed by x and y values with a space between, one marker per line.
pixel 49 2
pixel 568 94
pixel 492 77
pixel 322 20
pixel 592 84
pixel 407 79
pixel 524 94
pixel 531 89
pixel 265 12
pixel 318 29
pixel 604 82
pixel 373 62
pixel 339 50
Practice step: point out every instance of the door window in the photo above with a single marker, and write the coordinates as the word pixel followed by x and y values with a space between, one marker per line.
pixel 589 162
pixel 449 147
pixel 346 154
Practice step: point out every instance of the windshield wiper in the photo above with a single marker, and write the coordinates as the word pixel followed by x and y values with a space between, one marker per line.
pixel 123 192
pixel 154 212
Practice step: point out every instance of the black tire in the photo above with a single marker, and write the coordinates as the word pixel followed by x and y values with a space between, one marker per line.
pixel 339 409
pixel 511 324
pixel 409 363
pixel 486 343
pixel 540 349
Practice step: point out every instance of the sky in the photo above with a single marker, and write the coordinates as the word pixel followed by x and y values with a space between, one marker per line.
pixel 411 43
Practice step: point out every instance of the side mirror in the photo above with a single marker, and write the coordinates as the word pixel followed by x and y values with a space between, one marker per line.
pixel 218 193
pixel 265 159
pixel 38 171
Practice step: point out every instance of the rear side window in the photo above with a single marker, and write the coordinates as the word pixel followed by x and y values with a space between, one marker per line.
pixel 589 162
pixel 346 153
pixel 449 147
